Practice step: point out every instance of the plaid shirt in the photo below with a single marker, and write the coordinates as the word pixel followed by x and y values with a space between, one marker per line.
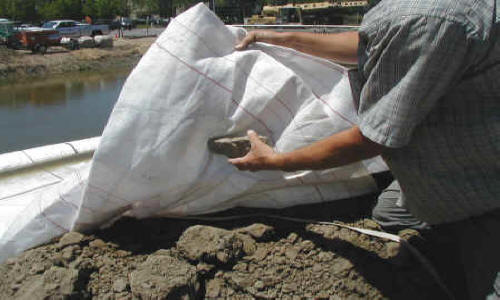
pixel 430 74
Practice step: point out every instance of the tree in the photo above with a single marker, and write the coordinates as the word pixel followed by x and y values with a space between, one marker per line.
pixel 57 9
pixel 19 9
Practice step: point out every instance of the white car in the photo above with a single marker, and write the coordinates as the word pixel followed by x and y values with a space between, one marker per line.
pixel 73 29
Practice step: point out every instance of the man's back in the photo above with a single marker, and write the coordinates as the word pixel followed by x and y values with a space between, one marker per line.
pixel 431 93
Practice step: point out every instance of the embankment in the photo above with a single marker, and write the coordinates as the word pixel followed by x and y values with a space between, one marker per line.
pixel 19 64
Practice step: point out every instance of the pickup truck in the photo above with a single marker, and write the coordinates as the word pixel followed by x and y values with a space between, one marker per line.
pixel 73 29
pixel 6 30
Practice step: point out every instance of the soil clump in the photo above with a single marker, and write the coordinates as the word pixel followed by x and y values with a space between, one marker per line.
pixel 257 257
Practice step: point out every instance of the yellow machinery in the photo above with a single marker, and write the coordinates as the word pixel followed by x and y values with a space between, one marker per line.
pixel 302 13
pixel 277 15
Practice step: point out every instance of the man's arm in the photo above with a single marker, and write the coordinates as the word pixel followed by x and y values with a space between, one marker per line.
pixel 337 46
pixel 337 150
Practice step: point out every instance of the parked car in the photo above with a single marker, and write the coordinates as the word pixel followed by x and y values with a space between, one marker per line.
pixel 115 24
pixel 38 40
pixel 73 29
pixel 127 23
pixel 26 27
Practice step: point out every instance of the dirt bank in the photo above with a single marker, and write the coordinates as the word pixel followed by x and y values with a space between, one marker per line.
pixel 20 64
pixel 239 258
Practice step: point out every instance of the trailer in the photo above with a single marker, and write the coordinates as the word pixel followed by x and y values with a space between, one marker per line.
pixel 38 40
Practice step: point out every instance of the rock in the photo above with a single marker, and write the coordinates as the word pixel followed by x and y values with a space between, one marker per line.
pixel 120 285
pixel 340 265
pixel 291 253
pixel 165 277
pixel 203 268
pixel 259 285
pixel 242 267
pixel 232 147
pixel 325 256
pixel 67 253
pixel 70 238
pixel 55 283
pixel 98 243
pixel 408 233
pixel 307 245
pixel 166 252
pixel 223 256
pixel 292 237
pixel 280 260
pixel 257 231
pixel 108 296
pixel 241 281
pixel 213 288
pixel 317 268
pixel 288 288
pixel 260 254
pixel 392 249
pixel 371 224
pixel 37 268
pixel 19 278
pixel 122 253
pixel 58 260
pixel 214 245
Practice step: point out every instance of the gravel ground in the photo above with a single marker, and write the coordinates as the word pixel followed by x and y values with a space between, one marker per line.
pixel 240 258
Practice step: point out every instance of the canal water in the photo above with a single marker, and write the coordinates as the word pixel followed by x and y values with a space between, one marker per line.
pixel 58 109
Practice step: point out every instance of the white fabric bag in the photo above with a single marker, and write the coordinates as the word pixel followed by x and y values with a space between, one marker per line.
pixel 190 86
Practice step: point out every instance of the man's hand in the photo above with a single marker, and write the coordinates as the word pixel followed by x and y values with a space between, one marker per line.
pixel 266 36
pixel 337 150
pixel 260 156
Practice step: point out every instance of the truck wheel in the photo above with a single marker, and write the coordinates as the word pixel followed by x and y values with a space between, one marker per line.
pixel 73 45
pixel 35 48
pixel 13 45
pixel 42 49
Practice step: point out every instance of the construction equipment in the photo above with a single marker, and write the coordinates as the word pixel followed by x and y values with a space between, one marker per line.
pixel 324 12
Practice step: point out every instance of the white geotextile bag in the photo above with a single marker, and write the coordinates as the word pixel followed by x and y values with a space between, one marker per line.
pixel 86 42
pixel 190 86
pixel 103 41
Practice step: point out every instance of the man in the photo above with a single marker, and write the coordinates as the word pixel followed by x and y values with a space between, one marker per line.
pixel 430 105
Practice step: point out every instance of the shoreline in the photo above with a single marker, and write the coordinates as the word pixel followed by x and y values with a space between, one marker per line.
pixel 20 65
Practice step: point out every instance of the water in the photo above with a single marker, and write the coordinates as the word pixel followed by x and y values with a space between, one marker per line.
pixel 55 110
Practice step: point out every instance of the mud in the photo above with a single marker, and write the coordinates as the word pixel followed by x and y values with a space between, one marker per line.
pixel 238 258
pixel 22 64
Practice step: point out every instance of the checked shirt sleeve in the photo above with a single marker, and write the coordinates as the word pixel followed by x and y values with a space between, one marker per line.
pixel 408 64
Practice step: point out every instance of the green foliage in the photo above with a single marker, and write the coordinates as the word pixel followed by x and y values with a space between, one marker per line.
pixel 35 10
pixel 18 9
pixel 107 9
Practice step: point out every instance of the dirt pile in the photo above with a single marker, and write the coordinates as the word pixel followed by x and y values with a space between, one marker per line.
pixel 239 258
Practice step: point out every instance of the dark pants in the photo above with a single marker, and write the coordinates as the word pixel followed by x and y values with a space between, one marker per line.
pixel 465 253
